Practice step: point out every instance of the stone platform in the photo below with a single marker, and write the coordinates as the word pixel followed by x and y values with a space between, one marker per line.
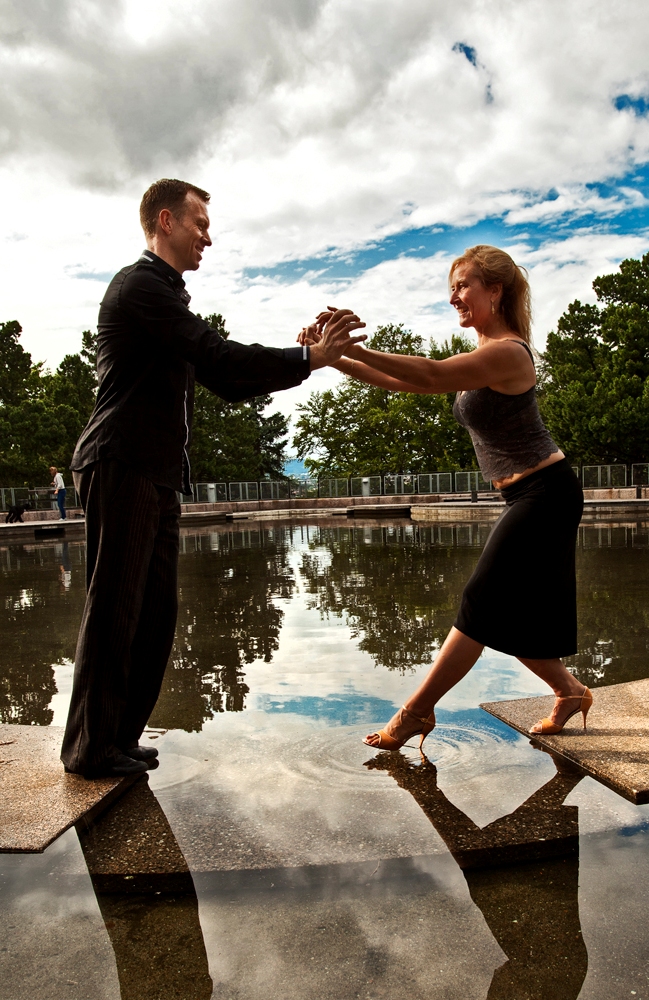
pixel 615 747
pixel 39 801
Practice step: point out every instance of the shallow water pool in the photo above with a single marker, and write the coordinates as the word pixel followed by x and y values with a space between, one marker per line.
pixel 272 854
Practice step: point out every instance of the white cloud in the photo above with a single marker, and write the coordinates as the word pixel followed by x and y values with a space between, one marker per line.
pixel 316 124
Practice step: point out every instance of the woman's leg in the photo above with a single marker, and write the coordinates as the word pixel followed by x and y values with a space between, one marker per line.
pixel 453 662
pixel 555 676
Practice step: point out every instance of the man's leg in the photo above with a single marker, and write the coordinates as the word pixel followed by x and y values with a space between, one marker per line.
pixel 157 625
pixel 60 499
pixel 122 516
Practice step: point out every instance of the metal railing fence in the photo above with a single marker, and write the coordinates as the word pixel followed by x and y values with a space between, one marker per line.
pixel 41 498
pixel 333 488
pixel 435 482
pixel 366 486
pixel 598 477
pixel 244 491
pixel 610 476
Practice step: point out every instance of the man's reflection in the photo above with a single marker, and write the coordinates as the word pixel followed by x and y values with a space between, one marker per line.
pixel 522 872
pixel 147 899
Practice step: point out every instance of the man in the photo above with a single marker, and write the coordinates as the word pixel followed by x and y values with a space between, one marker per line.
pixel 59 490
pixel 131 461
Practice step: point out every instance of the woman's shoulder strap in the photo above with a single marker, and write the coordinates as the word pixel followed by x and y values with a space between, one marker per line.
pixel 523 344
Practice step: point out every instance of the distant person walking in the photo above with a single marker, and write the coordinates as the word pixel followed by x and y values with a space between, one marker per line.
pixel 131 462
pixel 521 598
pixel 59 490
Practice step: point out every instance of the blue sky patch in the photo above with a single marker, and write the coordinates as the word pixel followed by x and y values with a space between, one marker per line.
pixel 618 205
pixel 468 51
pixel 639 105
pixel 356 709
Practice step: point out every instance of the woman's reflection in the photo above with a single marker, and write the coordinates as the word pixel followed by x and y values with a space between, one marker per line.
pixel 147 900
pixel 522 872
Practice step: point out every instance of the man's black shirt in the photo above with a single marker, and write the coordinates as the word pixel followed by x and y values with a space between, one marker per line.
pixel 150 349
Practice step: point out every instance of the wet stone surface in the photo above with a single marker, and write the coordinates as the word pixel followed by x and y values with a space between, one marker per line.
pixel 39 800
pixel 615 747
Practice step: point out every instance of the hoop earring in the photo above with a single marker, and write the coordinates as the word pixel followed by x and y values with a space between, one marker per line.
pixel 493 311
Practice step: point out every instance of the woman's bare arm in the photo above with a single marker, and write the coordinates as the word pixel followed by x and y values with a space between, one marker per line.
pixel 358 370
pixel 501 362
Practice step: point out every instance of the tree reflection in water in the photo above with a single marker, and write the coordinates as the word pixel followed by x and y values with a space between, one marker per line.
pixel 522 872
pixel 613 604
pixel 227 618
pixel 398 589
pixel 397 586
pixel 38 625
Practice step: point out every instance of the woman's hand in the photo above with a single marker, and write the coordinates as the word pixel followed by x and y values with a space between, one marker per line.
pixel 333 330
pixel 354 349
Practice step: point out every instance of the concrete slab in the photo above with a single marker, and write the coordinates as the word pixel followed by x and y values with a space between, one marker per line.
pixel 615 747
pixel 380 510
pixel 30 531
pixel 39 800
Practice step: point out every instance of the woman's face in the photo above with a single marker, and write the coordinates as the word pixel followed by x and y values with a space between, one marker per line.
pixel 470 297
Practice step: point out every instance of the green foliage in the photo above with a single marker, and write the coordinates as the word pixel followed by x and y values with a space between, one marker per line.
pixel 235 441
pixel 15 364
pixel 41 414
pixel 357 429
pixel 594 387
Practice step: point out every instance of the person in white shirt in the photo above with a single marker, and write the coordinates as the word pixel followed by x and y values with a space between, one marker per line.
pixel 59 490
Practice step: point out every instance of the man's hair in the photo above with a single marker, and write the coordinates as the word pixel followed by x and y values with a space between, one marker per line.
pixel 166 193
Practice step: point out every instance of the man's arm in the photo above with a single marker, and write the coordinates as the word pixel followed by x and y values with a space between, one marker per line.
pixel 231 370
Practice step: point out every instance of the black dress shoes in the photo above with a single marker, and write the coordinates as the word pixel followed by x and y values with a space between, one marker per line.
pixel 116 766
pixel 141 753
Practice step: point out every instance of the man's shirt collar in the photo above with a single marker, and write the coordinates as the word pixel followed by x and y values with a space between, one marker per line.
pixel 169 272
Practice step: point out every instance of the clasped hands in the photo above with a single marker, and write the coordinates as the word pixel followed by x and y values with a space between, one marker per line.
pixel 330 336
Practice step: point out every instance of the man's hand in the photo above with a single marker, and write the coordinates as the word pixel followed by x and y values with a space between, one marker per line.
pixel 333 331
pixel 310 335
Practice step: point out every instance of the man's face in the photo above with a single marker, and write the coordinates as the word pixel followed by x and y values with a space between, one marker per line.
pixel 190 233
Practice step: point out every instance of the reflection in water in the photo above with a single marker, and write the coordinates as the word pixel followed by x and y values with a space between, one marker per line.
pixel 613 604
pixel 38 626
pixel 147 900
pixel 65 566
pixel 228 582
pixel 396 586
pixel 522 872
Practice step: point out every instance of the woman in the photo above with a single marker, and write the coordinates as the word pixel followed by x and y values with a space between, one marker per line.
pixel 521 599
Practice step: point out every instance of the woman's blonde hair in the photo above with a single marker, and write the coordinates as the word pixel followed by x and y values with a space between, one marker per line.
pixel 496 267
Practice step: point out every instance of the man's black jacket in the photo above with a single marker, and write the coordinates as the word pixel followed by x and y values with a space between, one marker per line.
pixel 150 349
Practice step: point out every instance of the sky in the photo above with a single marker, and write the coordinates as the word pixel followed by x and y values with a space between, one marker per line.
pixel 352 149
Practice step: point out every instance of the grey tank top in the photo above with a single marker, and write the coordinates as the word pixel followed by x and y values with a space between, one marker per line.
pixel 507 431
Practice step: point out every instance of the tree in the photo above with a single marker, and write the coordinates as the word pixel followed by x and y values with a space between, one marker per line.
pixel 235 441
pixel 594 385
pixel 356 429
pixel 15 364
pixel 41 414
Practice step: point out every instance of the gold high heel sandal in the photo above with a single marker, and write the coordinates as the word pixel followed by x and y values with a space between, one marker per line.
pixel 387 742
pixel 548 727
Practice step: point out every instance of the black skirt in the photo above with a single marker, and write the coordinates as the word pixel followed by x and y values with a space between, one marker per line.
pixel 522 596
